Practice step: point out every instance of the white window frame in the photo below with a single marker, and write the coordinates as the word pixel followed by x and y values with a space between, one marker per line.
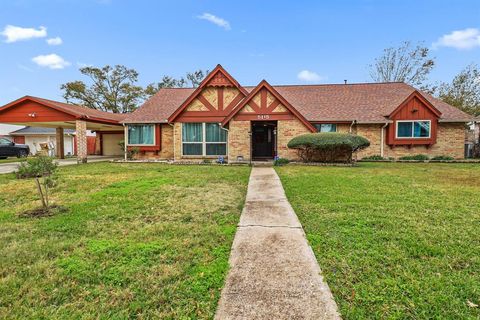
pixel 413 129
pixel 336 127
pixel 143 145
pixel 204 142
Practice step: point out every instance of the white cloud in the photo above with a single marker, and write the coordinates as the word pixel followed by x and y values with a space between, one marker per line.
pixel 215 20
pixel 55 41
pixel 13 33
pixel 309 76
pixel 52 61
pixel 460 39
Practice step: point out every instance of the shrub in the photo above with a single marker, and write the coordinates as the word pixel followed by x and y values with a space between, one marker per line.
pixel 328 146
pixel 443 158
pixel 418 157
pixel 280 162
pixel 374 157
pixel 42 169
pixel 131 151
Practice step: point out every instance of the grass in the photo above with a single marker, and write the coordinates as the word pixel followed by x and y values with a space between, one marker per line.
pixel 138 241
pixel 13 159
pixel 394 241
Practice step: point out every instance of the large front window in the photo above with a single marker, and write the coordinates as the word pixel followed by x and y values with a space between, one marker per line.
pixel 326 127
pixel 413 129
pixel 203 139
pixel 141 134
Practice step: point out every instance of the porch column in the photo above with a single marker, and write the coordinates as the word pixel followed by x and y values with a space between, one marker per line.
pixel 60 143
pixel 81 131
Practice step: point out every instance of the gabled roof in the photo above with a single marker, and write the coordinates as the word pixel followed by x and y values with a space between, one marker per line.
pixel 416 94
pixel 265 85
pixel 77 111
pixel 363 102
pixel 38 130
pixel 217 77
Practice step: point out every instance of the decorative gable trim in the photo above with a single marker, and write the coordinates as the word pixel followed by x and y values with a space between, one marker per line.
pixel 263 88
pixel 218 77
pixel 419 96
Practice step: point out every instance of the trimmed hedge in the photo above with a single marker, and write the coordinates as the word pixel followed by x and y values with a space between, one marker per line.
pixel 328 146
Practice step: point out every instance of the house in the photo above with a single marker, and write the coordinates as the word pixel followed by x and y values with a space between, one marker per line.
pixel 34 136
pixel 221 118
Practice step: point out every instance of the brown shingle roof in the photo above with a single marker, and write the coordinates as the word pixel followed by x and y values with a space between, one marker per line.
pixel 364 102
pixel 82 111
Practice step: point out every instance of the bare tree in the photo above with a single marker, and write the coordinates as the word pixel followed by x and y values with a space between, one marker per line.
pixel 407 63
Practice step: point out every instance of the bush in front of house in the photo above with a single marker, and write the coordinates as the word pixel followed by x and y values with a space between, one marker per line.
pixel 417 157
pixel 280 162
pixel 328 146
pixel 442 158
pixel 375 157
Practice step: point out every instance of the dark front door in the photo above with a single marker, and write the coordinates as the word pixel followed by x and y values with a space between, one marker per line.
pixel 263 140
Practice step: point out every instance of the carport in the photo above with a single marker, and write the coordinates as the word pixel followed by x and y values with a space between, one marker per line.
pixel 38 112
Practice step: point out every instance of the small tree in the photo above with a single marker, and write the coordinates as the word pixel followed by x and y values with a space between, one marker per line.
pixel 42 169
pixel 328 146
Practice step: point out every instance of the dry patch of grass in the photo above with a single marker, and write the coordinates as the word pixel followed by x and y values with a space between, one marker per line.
pixel 394 241
pixel 138 240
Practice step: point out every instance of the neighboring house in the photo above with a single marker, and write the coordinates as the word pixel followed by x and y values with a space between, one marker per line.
pixel 34 136
pixel 221 118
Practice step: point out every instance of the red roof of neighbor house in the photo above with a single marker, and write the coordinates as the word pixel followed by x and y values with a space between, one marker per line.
pixel 75 110
pixel 363 102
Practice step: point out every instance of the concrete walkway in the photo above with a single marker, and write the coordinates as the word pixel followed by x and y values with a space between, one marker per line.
pixel 273 271
pixel 13 166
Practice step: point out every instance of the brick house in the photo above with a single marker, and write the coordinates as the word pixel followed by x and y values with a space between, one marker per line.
pixel 221 118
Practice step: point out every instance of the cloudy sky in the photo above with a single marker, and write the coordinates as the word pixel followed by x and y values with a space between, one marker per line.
pixel 43 43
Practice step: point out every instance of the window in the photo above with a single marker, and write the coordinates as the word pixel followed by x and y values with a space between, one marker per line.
pixel 413 129
pixel 203 139
pixel 141 134
pixel 326 127
pixel 5 142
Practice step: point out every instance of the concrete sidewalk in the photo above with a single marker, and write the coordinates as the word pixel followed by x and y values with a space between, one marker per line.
pixel 273 271
pixel 13 166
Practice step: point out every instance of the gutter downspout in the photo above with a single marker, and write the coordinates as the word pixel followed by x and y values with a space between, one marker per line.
pixel 382 138
pixel 351 126
pixel 228 135
pixel 173 128
pixel 125 140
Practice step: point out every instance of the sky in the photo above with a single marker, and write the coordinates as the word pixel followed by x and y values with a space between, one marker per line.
pixel 43 43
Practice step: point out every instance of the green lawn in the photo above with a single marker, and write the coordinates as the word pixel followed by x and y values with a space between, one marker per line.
pixel 138 241
pixel 12 159
pixel 394 241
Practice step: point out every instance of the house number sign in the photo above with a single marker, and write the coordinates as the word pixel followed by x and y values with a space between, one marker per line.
pixel 263 117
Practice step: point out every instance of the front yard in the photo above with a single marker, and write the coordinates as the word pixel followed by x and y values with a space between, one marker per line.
pixel 137 241
pixel 394 241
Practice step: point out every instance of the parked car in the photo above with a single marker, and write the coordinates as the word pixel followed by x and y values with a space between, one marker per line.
pixel 11 149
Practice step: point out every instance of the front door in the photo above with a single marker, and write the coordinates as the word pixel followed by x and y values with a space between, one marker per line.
pixel 263 140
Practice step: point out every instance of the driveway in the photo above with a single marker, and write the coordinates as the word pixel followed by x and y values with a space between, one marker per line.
pixel 12 166
pixel 273 271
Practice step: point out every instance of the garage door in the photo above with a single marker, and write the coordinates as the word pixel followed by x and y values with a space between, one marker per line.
pixel 110 144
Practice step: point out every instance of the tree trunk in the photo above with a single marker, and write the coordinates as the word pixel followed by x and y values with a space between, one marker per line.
pixel 39 187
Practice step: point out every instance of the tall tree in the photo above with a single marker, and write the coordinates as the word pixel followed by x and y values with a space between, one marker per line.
pixel 112 89
pixel 192 79
pixel 407 63
pixel 464 90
